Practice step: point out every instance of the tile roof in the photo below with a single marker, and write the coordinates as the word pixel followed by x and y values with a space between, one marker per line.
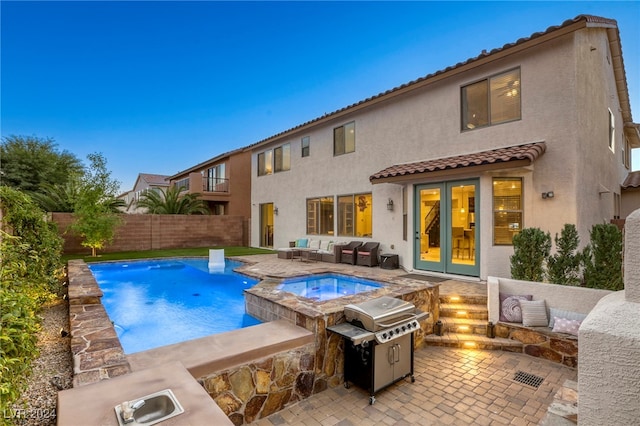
pixel 632 180
pixel 152 179
pixel 530 151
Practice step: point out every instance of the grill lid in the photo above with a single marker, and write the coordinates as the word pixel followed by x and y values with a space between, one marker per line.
pixel 374 313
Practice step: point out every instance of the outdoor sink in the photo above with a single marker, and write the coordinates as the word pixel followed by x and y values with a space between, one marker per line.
pixel 157 407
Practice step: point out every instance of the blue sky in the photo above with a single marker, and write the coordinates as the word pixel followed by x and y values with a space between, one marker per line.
pixel 158 87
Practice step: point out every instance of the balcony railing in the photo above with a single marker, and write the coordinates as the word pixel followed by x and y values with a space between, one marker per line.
pixel 215 185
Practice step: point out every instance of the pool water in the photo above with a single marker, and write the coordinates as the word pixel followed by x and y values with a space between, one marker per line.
pixel 327 286
pixel 161 302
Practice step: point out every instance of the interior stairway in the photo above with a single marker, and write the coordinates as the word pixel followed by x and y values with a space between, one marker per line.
pixel 464 325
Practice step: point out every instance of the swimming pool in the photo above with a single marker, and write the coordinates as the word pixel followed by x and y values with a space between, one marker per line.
pixel 327 286
pixel 160 302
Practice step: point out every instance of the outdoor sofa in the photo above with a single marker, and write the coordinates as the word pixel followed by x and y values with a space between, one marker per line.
pixel 326 250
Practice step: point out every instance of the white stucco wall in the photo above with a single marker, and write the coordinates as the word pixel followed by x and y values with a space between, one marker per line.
pixel 425 125
pixel 609 371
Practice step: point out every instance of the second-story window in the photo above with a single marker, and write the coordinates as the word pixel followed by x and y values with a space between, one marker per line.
pixel 265 163
pixel 282 158
pixel 305 142
pixel 216 179
pixel 344 139
pixel 491 101
pixel 612 131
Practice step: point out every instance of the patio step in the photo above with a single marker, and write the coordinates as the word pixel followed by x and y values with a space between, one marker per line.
pixel 473 341
pixel 464 310
pixel 464 325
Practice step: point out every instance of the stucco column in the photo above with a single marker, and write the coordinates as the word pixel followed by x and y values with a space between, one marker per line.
pixel 631 263
pixel 609 347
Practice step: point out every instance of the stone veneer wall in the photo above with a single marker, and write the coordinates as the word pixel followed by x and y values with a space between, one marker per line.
pixel 266 303
pixel 95 347
pixel 541 342
pixel 151 232
pixel 252 391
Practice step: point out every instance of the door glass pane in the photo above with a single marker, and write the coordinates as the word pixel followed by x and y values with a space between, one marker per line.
pixel 430 224
pixel 463 229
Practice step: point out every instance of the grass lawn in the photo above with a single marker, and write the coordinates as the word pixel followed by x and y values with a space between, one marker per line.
pixel 150 254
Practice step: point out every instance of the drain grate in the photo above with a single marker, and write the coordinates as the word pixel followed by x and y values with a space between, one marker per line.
pixel 528 379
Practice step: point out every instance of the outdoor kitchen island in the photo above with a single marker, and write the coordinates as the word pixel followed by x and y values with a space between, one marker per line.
pixel 267 302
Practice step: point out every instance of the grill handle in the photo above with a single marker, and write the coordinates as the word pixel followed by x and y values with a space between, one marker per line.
pixel 401 321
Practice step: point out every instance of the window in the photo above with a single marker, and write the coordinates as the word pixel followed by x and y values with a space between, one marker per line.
pixel 305 146
pixel 612 131
pixel 215 181
pixel 320 216
pixel 183 183
pixel 344 139
pixel 507 209
pixel 354 215
pixel 265 161
pixel 276 160
pixel 282 157
pixel 626 153
pixel 492 101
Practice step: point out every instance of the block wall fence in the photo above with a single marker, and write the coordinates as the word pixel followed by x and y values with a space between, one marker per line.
pixel 153 232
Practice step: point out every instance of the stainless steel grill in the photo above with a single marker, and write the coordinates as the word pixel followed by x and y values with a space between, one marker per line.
pixel 378 339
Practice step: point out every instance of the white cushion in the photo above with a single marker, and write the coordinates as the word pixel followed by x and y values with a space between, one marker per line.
pixel 553 312
pixel 564 325
pixel 314 244
pixel 324 245
pixel 534 313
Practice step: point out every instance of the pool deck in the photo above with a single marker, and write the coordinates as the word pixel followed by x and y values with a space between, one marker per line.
pixel 453 386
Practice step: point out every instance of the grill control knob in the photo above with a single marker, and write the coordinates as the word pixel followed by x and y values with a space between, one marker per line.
pixel 384 335
pixel 404 328
pixel 390 333
pixel 398 330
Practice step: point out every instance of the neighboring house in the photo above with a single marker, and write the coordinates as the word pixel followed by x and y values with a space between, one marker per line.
pixel 446 169
pixel 630 194
pixel 144 182
pixel 224 182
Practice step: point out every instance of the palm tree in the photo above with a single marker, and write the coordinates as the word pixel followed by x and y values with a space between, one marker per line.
pixel 172 201
pixel 63 198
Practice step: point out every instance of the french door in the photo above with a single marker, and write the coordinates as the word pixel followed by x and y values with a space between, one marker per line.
pixel 446 228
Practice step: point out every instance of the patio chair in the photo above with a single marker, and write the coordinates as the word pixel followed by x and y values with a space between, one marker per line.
pixel 350 252
pixel 368 254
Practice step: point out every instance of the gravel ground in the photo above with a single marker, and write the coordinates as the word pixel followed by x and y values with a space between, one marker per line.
pixel 52 371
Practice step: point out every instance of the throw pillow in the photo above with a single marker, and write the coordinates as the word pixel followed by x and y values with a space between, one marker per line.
pixel 510 307
pixel 553 312
pixel 534 313
pixel 564 325
pixel 302 243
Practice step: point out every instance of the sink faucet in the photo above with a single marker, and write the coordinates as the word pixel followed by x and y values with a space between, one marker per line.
pixel 127 409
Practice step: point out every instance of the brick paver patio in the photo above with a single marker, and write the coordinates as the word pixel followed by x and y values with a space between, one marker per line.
pixel 453 387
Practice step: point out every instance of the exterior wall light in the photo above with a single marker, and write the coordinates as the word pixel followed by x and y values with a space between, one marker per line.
pixel 275 211
pixel 546 195
pixel 390 205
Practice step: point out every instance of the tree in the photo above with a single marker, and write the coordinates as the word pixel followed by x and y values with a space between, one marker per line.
pixel 564 265
pixel 602 258
pixel 172 201
pixel 530 249
pixel 29 163
pixel 94 219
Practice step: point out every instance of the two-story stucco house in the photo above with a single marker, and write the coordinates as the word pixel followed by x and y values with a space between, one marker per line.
pixel 443 171
pixel 145 182
pixel 223 182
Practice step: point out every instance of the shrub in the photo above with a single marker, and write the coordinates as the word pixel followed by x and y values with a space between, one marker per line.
pixel 31 250
pixel 602 258
pixel 530 249
pixel 564 266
